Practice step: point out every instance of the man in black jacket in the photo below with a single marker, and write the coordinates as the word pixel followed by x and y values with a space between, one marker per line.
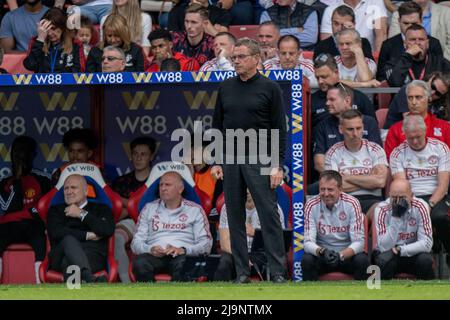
pixel 409 13
pixel 79 231
pixel 417 61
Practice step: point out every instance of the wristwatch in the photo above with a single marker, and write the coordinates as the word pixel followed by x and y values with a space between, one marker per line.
pixel 432 204
pixel 399 249
pixel 341 256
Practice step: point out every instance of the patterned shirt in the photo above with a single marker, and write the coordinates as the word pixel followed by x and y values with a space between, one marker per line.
pixel 201 52
pixel 306 65
pixel 126 184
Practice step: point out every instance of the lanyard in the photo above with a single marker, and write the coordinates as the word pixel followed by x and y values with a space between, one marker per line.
pixel 422 73
pixel 53 59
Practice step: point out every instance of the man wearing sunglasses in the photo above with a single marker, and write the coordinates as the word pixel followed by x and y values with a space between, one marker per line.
pixel 113 59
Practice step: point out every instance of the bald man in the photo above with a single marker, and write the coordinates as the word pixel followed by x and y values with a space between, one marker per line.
pixel 79 232
pixel 404 234
pixel 169 229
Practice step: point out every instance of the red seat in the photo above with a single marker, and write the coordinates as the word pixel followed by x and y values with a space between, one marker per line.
pixel 384 99
pixel 241 31
pixel 13 63
pixel 104 194
pixel 381 115
pixel 18 265
pixel 308 54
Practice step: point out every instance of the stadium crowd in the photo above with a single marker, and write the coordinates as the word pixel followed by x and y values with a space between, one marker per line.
pixel 376 174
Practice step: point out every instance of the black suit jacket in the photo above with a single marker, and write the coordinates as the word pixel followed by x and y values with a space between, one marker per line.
pixel 393 48
pixel 98 220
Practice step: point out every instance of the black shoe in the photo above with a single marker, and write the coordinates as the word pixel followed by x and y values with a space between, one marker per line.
pixel 242 279
pixel 278 278
pixel 101 279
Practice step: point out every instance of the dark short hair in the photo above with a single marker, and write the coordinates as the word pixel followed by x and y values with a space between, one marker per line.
pixel 288 37
pixel 344 90
pixel 198 8
pixel 231 37
pixel 170 64
pixel 85 22
pixel 415 27
pixel 325 59
pixel 344 11
pixel 350 114
pixel 408 8
pixel 159 34
pixel 331 175
pixel 270 23
pixel 85 136
pixel 27 143
pixel 144 140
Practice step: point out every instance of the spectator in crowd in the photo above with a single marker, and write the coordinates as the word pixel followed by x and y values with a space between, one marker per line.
pixel 326 133
pixel 54 50
pixel 290 57
pixel 85 34
pixel 168 230
pixel 170 65
pixel 353 66
pixel 194 42
pixel 242 11
pixel 19 26
pixel 425 163
pixel 409 13
pixel 139 23
pixel 327 74
pixel 162 49
pixel 334 232
pixel 113 59
pixel 296 19
pixel 143 151
pixel 225 270
pixel 218 18
pixel 223 48
pixel 436 21
pixel 268 36
pixel 439 103
pixel 370 18
pixel 80 145
pixel 417 61
pixel 361 163
pixel 78 231
pixel 343 17
pixel 95 10
pixel 404 234
pixel 418 94
pixel 116 33
pixel 19 195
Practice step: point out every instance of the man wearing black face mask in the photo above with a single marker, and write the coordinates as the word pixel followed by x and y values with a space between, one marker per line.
pixel 404 234
pixel 19 194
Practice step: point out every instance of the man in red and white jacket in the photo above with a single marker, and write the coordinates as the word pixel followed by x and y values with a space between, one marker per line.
pixel 404 234
pixel 168 230
pixel 425 163
pixel 334 232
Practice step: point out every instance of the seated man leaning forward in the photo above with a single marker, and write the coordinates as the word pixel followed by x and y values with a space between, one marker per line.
pixel 79 231
pixel 169 229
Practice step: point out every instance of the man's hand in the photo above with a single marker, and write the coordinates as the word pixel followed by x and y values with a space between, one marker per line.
pixel 268 53
pixel 330 258
pixel 73 211
pixel 356 49
pixel 414 50
pixel 276 176
pixel 209 28
pixel 157 251
pixel 91 236
pixel 43 27
pixel 226 4
pixel 217 173
pixel 174 251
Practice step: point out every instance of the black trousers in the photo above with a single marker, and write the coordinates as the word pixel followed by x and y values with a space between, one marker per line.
pixel 420 265
pixel 237 178
pixel 313 267
pixel 440 221
pixel 25 231
pixel 86 255
pixel 145 266
pixel 226 271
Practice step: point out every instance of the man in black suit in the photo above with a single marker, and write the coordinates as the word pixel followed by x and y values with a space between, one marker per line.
pixel 409 13
pixel 79 231
pixel 343 17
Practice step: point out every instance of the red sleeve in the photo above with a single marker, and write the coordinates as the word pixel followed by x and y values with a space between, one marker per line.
pixel 391 142
pixel 15 216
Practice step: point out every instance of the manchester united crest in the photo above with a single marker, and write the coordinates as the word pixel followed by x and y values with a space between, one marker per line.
pixel 433 160
pixel 412 222
pixel 183 217
pixel 342 216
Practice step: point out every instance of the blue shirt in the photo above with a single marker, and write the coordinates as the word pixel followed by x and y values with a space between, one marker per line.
pixel 426 22
pixel 326 134
pixel 21 25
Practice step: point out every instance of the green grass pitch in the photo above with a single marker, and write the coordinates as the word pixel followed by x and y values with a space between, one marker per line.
pixel 226 291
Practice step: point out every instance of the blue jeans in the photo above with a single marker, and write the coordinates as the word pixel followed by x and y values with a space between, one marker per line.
pixel 96 13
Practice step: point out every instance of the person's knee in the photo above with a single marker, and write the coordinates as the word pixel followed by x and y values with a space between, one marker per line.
pixel 68 240
pixel 309 261
pixel 424 266
pixel 142 267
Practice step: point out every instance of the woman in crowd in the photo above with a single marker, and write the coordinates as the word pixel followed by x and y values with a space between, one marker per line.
pixel 54 51
pixel 116 33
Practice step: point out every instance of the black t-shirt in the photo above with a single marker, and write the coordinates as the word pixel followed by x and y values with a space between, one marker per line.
pixel 216 16
pixel 126 184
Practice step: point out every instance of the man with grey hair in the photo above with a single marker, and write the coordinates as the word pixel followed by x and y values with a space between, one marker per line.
pixel 418 94
pixel 113 59
pixel 268 35
pixel 247 102
pixel 353 66
pixel 425 163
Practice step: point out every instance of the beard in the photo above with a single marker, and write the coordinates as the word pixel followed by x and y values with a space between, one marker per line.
pixel 32 3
